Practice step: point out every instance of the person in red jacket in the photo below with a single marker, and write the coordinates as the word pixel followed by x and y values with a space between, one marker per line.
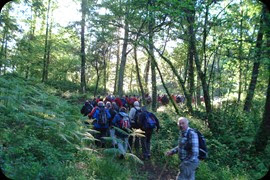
pixel 118 102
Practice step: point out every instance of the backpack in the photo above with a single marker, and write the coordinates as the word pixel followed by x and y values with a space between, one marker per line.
pixel 203 152
pixel 102 117
pixel 124 122
pixel 135 120
pixel 86 109
pixel 150 121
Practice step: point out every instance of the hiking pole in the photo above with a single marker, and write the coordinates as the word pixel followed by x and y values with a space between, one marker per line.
pixel 163 169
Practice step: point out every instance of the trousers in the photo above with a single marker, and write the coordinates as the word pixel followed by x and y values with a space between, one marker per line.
pixel 187 170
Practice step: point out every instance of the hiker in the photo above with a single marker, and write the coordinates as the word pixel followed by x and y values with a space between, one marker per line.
pixel 187 149
pixel 164 99
pixel 87 108
pixel 134 114
pixel 148 98
pixel 122 121
pixel 118 102
pixel 112 112
pixel 101 118
pixel 148 123
pixel 124 101
pixel 94 102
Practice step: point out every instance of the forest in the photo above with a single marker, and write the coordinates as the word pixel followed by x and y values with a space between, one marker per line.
pixel 56 54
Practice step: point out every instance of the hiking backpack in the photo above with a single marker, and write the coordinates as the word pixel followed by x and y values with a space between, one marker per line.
pixel 102 117
pixel 86 109
pixel 203 152
pixel 150 121
pixel 135 120
pixel 124 122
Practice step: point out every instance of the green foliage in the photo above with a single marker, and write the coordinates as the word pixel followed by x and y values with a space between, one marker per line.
pixel 230 144
pixel 42 137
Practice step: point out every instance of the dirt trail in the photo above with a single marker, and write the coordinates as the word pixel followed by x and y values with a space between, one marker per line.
pixel 158 172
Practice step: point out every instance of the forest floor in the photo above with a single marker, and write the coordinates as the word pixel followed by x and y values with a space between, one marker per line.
pixel 156 172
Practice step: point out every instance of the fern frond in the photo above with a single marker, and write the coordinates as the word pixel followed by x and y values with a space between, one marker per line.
pixel 133 157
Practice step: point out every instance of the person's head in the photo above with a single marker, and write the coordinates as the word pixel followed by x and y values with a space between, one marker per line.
pixel 183 123
pixel 123 109
pixel 136 104
pixel 100 104
pixel 108 104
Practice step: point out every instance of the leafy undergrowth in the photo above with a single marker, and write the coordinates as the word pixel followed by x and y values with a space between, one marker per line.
pixel 43 137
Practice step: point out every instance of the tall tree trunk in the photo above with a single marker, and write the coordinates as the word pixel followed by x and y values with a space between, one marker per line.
pixel 240 55
pixel 6 45
pixel 104 73
pixel 131 88
pixel 151 51
pixel 263 132
pixel 198 91
pixel 138 74
pixel 48 51
pixel 83 82
pixel 45 66
pixel 163 82
pixel 202 75
pixel 146 71
pixel 180 80
pixel 256 65
pixel 115 90
pixel 97 82
pixel 2 51
pixel 123 57
pixel 190 72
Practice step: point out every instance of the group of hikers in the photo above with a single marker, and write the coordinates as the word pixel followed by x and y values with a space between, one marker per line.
pixel 115 118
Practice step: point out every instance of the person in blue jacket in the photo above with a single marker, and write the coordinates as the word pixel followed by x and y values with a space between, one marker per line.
pixel 122 122
pixel 101 118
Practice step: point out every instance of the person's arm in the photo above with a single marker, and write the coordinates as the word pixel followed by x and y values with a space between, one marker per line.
pixel 108 114
pixel 91 114
pixel 172 151
pixel 115 119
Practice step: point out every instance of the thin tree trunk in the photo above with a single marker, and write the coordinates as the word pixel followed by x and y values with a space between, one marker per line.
pixel 163 82
pixel 256 65
pixel 83 82
pixel 123 58
pixel 48 52
pixel 138 74
pixel 202 75
pixel 180 80
pixel 240 56
pixel 198 91
pixel 117 68
pixel 151 51
pixel 131 79
pixel 2 51
pixel 97 82
pixel 104 73
pixel 263 133
pixel 147 67
pixel 46 43
pixel 190 72
pixel 5 55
